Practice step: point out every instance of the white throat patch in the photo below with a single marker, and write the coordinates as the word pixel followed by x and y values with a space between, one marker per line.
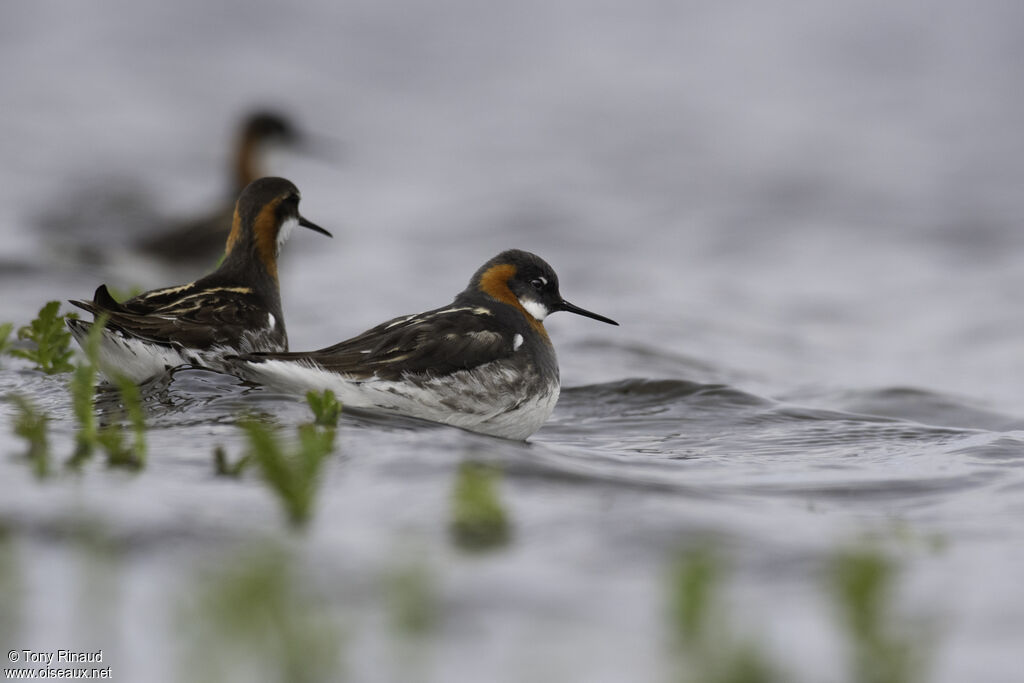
pixel 535 308
pixel 285 232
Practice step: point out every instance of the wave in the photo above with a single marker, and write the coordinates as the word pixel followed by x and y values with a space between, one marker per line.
pixel 920 405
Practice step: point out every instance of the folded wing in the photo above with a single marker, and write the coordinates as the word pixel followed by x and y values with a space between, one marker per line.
pixel 436 343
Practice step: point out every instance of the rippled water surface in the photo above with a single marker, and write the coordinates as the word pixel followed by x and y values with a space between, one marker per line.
pixel 807 220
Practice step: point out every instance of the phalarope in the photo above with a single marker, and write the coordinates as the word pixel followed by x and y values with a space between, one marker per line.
pixel 235 309
pixel 200 239
pixel 484 363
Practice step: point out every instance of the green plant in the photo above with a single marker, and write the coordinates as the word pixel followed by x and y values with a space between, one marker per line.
pixel 861 582
pixel 412 599
pixel 223 468
pixel 83 386
pixel 694 582
pixel 705 648
pixel 112 436
pixel 257 618
pixel 83 390
pixel 31 425
pixel 111 440
pixel 325 407
pixel 12 587
pixel 293 474
pixel 51 351
pixel 478 518
pixel 5 337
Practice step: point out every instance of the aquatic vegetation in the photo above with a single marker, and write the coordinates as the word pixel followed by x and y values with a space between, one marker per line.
pixel 478 521
pixel 119 454
pixel 32 425
pixel 412 599
pixel 705 648
pixel 256 618
pixel 224 468
pixel 694 578
pixel 51 351
pixel 292 473
pixel 5 337
pixel 861 582
pixel 11 587
pixel 325 407
pixel 112 436
pixel 83 390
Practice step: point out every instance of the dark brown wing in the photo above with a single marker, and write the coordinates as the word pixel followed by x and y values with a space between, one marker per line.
pixel 435 343
pixel 203 319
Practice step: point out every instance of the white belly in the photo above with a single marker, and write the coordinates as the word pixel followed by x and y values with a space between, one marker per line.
pixel 132 358
pixel 478 401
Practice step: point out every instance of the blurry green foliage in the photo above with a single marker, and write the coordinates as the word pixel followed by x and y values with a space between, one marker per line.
pixel 51 340
pixel 222 467
pixel 292 473
pixel 5 337
pixel 705 648
pixel 31 425
pixel 325 407
pixel 256 618
pixel 478 518
pixel 861 581
pixel 412 599
pixel 112 437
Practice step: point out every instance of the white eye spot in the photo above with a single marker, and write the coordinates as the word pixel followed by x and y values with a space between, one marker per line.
pixel 271 320
pixel 517 341
pixel 285 232
pixel 535 308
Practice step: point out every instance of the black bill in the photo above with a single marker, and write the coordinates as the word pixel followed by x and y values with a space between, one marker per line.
pixel 566 306
pixel 313 226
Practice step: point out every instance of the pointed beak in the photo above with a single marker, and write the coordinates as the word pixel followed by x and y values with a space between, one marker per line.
pixel 313 226
pixel 566 306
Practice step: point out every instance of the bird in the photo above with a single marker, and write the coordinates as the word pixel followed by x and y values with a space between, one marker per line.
pixel 235 309
pixel 484 362
pixel 200 239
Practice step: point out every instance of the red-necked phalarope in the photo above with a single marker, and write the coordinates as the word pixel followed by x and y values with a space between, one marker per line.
pixel 201 239
pixel 235 309
pixel 483 363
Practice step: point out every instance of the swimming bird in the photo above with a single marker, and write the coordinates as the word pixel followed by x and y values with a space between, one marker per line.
pixel 202 238
pixel 484 362
pixel 235 309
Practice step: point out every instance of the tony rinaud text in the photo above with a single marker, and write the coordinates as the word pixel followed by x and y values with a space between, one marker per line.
pixel 61 657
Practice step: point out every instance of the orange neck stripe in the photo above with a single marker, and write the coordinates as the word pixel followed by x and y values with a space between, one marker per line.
pixel 236 232
pixel 265 231
pixel 494 283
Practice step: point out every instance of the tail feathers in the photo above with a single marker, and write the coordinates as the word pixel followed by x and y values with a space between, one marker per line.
pixel 84 305
pixel 101 302
pixel 103 299
pixel 79 328
pixel 255 357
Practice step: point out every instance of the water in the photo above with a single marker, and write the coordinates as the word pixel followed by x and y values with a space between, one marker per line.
pixel 806 219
